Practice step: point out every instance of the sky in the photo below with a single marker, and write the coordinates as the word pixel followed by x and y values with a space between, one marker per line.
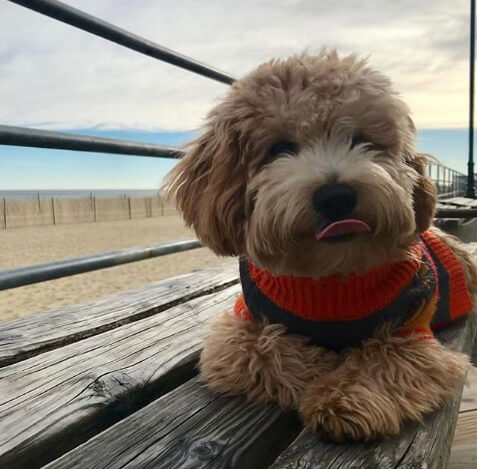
pixel 55 77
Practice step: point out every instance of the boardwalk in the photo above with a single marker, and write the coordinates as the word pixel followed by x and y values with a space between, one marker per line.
pixel 464 446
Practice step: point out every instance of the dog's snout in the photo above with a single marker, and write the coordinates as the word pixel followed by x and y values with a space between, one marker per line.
pixel 335 201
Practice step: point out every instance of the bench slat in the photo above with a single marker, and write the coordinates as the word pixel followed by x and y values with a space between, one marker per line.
pixel 56 400
pixel 191 427
pixel 460 201
pixel 418 446
pixel 464 446
pixel 29 336
pixel 469 397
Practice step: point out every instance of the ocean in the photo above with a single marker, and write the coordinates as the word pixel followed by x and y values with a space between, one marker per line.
pixel 76 194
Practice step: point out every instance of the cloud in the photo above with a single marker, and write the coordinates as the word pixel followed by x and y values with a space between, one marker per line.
pixel 54 76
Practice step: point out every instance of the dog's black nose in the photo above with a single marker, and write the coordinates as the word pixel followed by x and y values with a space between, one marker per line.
pixel 335 201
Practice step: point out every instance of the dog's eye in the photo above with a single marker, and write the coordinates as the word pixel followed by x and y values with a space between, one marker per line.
pixel 356 140
pixel 283 148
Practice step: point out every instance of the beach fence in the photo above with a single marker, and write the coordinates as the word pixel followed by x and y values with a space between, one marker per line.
pixel 61 211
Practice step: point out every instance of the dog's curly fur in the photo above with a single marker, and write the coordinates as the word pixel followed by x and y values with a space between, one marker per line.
pixel 242 202
pixel 271 365
pixel 378 386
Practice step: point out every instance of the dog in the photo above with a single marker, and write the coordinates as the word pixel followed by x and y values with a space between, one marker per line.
pixel 307 170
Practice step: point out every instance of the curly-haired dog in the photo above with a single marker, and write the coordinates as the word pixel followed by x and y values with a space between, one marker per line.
pixel 307 170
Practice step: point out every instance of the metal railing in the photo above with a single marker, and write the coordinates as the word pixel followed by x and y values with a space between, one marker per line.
pixel 27 137
pixel 81 20
pixel 23 137
pixel 12 278
pixel 448 183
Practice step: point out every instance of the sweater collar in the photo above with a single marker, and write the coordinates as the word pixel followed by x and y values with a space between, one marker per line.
pixel 332 298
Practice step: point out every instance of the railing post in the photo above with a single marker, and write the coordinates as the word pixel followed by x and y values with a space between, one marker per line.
pixel 447 179
pixel 129 207
pixel 438 179
pixel 443 179
pixel 53 210
pixel 94 209
pixel 4 213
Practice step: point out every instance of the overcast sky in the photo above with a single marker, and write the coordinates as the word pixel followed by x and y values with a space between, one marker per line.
pixel 56 77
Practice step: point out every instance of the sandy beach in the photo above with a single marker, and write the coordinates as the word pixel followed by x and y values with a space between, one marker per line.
pixel 24 246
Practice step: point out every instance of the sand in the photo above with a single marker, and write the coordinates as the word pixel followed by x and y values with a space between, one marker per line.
pixel 25 246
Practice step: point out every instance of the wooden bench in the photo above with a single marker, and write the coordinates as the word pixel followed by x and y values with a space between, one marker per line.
pixel 112 384
pixel 464 228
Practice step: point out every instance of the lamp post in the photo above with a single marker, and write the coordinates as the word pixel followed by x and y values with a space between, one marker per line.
pixel 470 165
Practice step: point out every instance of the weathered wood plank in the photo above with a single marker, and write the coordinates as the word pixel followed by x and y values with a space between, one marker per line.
pixel 464 446
pixel 32 335
pixel 466 430
pixel 56 400
pixel 464 457
pixel 190 427
pixel 469 396
pixel 418 446
pixel 460 202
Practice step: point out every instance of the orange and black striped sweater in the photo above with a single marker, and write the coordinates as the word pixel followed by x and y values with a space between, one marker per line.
pixel 415 296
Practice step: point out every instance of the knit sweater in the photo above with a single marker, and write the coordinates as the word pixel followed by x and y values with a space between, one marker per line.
pixel 414 296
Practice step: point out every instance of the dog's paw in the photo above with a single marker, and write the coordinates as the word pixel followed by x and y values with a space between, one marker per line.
pixel 345 411
pixel 261 361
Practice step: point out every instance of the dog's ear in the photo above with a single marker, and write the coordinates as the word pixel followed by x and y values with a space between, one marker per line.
pixel 425 194
pixel 208 186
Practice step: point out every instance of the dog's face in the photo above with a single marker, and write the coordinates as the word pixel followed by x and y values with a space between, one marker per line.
pixel 307 167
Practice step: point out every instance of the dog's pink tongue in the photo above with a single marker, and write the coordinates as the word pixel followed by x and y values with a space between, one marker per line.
pixel 343 227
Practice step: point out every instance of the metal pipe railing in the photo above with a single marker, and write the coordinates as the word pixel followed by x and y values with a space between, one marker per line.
pixel 12 278
pixel 26 137
pixel 449 182
pixel 81 20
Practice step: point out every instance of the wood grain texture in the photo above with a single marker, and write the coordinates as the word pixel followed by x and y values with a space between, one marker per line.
pixel 463 457
pixel 466 430
pixel 460 202
pixel 469 396
pixel 56 400
pixel 464 447
pixel 418 446
pixel 35 334
pixel 190 427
